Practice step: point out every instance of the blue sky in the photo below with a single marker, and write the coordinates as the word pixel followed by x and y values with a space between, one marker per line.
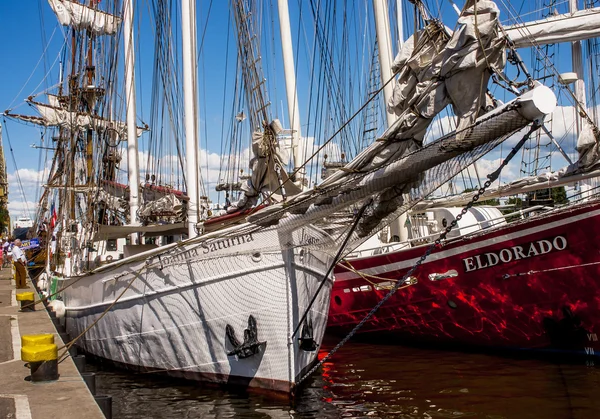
pixel 28 28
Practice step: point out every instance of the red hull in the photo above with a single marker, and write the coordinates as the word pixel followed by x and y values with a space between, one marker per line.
pixel 528 285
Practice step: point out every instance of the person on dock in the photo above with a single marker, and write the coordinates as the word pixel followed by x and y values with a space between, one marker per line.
pixel 19 261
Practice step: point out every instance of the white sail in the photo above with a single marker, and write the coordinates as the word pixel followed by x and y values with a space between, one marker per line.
pixel 79 16
pixel 54 115
pixel 568 27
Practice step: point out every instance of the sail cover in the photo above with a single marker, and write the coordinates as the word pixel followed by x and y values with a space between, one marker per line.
pixel 79 16
pixel 569 27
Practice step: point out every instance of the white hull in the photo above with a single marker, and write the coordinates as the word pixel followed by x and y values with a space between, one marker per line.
pixel 173 320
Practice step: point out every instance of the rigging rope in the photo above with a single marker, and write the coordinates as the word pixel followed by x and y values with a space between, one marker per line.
pixel 12 154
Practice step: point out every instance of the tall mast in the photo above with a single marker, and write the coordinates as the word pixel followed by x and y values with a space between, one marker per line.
pixel 577 60
pixel 400 24
pixel 290 87
pixel 132 147
pixel 188 34
pixel 382 28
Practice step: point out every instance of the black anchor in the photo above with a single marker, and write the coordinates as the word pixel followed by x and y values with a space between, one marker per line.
pixel 251 344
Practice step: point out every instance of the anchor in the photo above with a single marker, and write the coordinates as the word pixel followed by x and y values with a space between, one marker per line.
pixel 307 341
pixel 251 344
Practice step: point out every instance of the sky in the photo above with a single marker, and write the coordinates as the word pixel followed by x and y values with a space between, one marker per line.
pixel 32 43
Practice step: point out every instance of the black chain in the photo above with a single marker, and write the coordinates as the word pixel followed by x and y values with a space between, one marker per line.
pixel 437 243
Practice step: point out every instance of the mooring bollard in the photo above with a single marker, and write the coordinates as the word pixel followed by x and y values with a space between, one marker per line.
pixel 43 361
pixel 42 339
pixel 27 300
pixel 79 361
pixel 105 404
pixel 90 380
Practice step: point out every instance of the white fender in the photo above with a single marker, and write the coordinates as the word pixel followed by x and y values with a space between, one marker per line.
pixel 58 307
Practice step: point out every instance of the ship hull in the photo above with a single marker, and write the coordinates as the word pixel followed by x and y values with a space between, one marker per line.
pixel 169 313
pixel 532 285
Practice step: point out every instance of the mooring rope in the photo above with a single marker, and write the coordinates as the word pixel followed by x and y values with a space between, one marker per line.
pixel 69 344
pixel 346 264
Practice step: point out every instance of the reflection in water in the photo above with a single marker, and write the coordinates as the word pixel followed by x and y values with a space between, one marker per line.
pixel 381 381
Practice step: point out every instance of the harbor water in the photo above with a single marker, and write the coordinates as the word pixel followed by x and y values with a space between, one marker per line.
pixel 381 381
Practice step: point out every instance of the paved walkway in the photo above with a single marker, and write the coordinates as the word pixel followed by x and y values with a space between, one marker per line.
pixel 66 398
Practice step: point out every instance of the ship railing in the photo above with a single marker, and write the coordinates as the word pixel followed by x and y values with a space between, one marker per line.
pixel 394 246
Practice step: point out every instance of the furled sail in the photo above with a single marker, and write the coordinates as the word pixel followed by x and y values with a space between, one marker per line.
pixel 568 27
pixel 267 164
pixel 80 16
pixel 55 115
pixel 434 71
pixel 492 128
pixel 395 171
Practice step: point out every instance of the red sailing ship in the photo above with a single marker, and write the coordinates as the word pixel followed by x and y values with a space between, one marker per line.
pixel 528 284
pixel 531 284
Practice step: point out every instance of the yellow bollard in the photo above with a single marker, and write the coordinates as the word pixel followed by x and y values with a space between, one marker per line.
pixel 43 361
pixel 30 340
pixel 27 300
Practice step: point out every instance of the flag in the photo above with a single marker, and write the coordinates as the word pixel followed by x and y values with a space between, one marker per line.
pixel 54 217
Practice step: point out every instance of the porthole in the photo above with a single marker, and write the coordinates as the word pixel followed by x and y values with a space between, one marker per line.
pixel 337 300
pixel 452 304
pixel 256 257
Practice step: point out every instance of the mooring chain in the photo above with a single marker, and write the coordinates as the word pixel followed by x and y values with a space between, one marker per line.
pixel 437 243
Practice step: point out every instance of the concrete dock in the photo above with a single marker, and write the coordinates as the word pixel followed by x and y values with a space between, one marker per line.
pixel 68 397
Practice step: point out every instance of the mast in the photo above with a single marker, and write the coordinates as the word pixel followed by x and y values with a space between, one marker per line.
pixel 290 88
pixel 132 147
pixel 400 24
pixel 577 57
pixel 188 34
pixel 577 60
pixel 382 27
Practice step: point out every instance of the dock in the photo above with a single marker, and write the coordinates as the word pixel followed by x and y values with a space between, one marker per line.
pixel 67 397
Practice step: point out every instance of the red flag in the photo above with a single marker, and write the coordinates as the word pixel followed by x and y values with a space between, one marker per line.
pixel 54 217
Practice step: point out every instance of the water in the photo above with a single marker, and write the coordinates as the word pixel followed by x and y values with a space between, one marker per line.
pixel 381 381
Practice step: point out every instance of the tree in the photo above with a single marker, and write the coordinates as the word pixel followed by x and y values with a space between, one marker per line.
pixel 4 219
pixel 559 195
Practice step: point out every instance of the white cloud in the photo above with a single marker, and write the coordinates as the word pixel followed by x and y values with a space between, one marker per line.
pixel 20 208
pixel 26 176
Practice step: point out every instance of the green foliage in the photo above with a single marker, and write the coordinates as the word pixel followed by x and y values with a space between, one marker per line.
pixel 559 195
pixel 4 219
